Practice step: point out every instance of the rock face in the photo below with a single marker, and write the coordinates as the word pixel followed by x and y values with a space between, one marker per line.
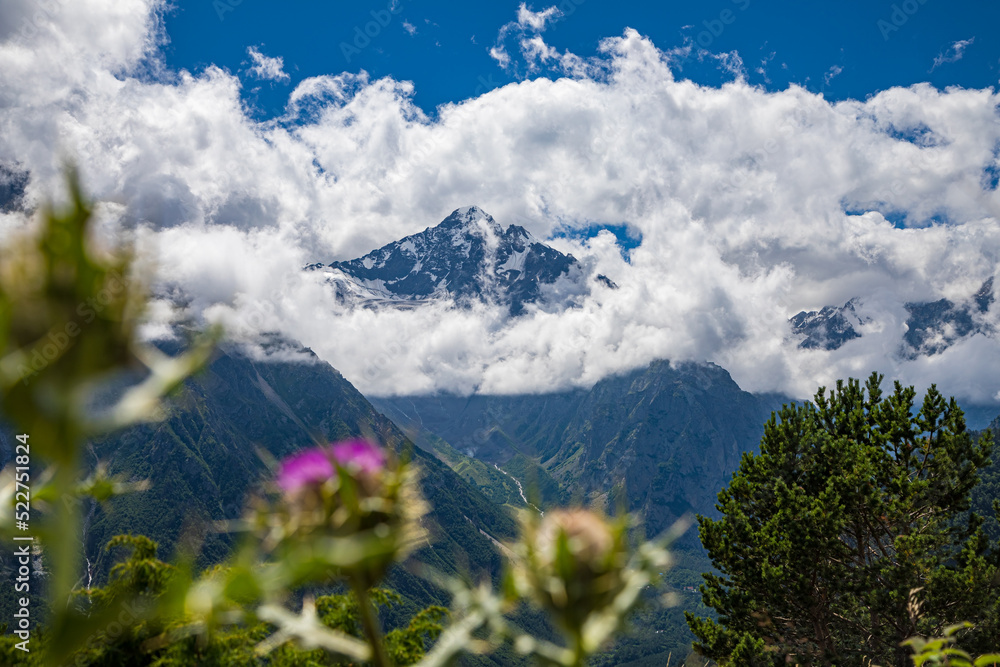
pixel 468 257
pixel 12 185
pixel 828 328
pixel 931 326
pixel 663 439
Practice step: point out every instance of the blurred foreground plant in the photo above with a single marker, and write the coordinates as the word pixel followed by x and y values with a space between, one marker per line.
pixel 578 567
pixel 68 326
pixel 337 514
pixel 942 650
pixel 346 512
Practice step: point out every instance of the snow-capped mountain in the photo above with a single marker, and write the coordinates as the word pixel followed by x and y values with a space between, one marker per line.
pixel 467 257
pixel 828 328
pixel 934 326
pixel 931 326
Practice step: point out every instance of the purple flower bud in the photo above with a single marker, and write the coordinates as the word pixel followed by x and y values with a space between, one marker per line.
pixel 316 465
pixel 361 454
pixel 310 466
pixel 345 491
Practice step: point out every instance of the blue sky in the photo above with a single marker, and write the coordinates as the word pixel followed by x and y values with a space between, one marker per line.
pixel 848 49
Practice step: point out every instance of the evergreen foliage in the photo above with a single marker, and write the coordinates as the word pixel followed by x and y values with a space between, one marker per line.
pixel 849 533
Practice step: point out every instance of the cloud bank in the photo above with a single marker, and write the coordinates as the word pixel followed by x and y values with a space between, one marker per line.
pixel 751 205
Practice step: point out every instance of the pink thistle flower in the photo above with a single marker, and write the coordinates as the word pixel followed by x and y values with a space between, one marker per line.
pixel 363 455
pixel 305 468
pixel 316 465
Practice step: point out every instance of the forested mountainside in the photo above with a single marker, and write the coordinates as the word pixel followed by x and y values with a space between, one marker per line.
pixel 664 438
pixel 203 460
pixel 660 441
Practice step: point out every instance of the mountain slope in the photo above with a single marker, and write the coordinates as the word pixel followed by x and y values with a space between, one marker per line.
pixel 663 438
pixel 504 485
pixel 935 326
pixel 467 257
pixel 660 441
pixel 202 461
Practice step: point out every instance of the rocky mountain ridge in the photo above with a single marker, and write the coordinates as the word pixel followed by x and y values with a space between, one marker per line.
pixel 469 258
pixel 931 326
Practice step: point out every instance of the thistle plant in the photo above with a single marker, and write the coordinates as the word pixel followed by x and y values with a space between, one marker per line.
pixel 68 325
pixel 579 567
pixel 572 564
pixel 350 505
pixel 339 513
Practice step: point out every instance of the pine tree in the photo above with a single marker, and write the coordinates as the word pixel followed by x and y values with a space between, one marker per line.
pixel 848 533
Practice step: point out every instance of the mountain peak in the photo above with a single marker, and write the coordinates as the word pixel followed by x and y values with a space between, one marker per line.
pixel 931 326
pixel 467 257
pixel 470 216
pixel 470 212
pixel 829 328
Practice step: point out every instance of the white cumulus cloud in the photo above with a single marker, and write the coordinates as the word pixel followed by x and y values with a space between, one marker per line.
pixel 751 205
pixel 269 69
pixel 526 31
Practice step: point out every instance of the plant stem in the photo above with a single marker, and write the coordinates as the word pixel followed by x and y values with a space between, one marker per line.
pixel 579 655
pixel 369 622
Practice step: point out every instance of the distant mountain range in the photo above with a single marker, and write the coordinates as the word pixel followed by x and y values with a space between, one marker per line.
pixel 931 326
pixel 468 257
pixel 663 439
